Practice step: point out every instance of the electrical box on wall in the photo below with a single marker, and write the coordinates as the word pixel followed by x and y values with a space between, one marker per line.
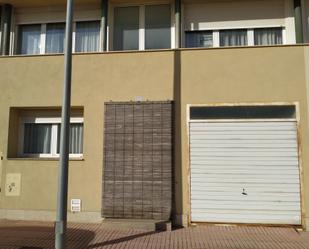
pixel 76 205
pixel 12 184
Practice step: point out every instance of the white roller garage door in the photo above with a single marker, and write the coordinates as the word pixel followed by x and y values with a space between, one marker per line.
pixel 245 172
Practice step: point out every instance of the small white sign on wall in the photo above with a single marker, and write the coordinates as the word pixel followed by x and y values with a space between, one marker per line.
pixel 76 205
pixel 138 98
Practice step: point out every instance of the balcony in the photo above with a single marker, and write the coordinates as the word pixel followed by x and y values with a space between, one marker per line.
pixel 116 25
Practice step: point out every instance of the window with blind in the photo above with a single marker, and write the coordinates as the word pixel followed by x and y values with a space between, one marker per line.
pixel 55 37
pixel 87 37
pixel 199 39
pixel 233 37
pixel 29 39
pixel 49 38
pixel 40 137
pixel 268 36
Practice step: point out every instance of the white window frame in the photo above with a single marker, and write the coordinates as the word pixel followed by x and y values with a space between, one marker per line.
pixel 250 35
pixel 142 31
pixel 100 48
pixel 54 121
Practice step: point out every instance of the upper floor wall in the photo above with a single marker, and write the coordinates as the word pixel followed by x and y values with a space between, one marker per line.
pixel 38 28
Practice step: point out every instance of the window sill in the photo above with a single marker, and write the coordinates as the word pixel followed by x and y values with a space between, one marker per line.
pixel 42 159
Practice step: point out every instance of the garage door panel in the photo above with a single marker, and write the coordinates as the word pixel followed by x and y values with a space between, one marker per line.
pixel 260 157
pixel 248 198
pixel 196 185
pixel 226 162
pixel 248 213
pixel 243 123
pixel 232 191
pixel 244 159
pixel 250 175
pixel 227 206
pixel 248 181
pixel 244 178
pixel 236 149
pixel 256 142
pixel 244 132
pixel 198 169
pixel 257 219
pixel 242 137
pixel 233 153
pixel 244 205
pixel 277 187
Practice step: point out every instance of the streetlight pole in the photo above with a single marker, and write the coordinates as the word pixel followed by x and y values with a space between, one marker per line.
pixel 63 172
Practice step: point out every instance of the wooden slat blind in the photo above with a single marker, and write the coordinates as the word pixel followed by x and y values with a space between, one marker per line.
pixel 137 178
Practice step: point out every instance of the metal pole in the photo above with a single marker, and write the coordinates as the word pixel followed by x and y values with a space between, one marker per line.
pixel 6 17
pixel 298 21
pixel 61 222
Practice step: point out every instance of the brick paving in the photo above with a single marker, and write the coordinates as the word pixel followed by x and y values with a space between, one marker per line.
pixel 37 235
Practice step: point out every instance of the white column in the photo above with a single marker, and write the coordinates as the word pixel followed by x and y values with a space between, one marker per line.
pixel 142 27
pixel 289 22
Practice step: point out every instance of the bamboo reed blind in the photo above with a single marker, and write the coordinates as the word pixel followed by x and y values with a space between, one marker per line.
pixel 137 175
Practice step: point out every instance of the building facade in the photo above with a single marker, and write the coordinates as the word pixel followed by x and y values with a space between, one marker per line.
pixel 192 111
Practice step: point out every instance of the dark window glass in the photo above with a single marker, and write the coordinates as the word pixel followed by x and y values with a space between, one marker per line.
pixel 157 26
pixel 199 39
pixel 37 138
pixel 126 28
pixel 87 36
pixel 55 37
pixel 242 112
pixel 233 37
pixel 29 39
pixel 268 36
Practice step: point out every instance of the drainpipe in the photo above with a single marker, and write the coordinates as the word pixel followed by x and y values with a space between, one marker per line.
pixel 178 23
pixel 104 19
pixel 298 21
pixel 6 17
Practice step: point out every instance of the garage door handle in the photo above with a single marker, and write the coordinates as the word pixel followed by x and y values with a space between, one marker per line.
pixel 244 192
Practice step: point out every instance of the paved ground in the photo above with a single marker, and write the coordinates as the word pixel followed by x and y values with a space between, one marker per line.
pixel 35 235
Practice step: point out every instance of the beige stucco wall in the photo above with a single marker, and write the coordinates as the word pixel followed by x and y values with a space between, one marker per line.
pixel 37 82
pixel 201 76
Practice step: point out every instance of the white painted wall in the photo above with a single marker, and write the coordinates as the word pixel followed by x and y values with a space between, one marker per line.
pixel 289 22
pixel 241 14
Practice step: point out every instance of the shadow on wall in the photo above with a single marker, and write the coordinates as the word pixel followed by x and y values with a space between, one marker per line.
pixel 43 237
